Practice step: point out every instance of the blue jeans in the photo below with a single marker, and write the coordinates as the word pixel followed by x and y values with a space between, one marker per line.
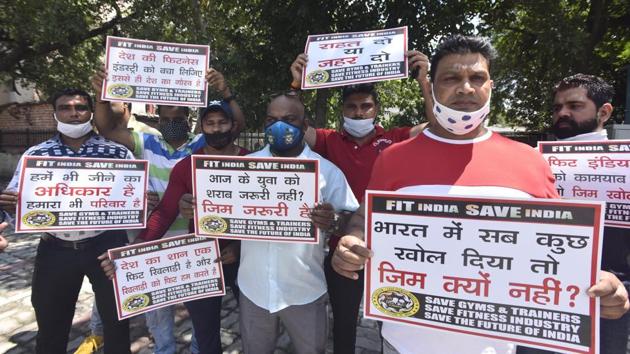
pixel 96 325
pixel 160 323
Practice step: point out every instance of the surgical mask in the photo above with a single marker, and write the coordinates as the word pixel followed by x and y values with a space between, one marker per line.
pixel 459 122
pixel 358 128
pixel 174 129
pixel 282 136
pixel 218 140
pixel 74 130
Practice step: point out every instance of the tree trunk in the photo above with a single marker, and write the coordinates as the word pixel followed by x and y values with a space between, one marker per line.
pixel 321 104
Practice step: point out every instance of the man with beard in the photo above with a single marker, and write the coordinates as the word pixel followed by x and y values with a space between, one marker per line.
pixel 581 108
pixel 354 150
pixel 458 155
pixel 64 258
pixel 163 153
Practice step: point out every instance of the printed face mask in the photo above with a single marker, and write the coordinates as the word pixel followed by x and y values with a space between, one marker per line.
pixel 458 122
pixel 282 136
pixel 358 128
pixel 174 129
pixel 74 130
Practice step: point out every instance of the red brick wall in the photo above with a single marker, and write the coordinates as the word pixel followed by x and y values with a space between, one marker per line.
pixel 31 116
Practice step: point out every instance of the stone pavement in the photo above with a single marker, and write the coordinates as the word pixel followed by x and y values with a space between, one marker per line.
pixel 18 327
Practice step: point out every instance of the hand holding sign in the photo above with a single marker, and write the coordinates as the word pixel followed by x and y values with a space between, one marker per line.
pixel 613 296
pixel 350 256
pixel 8 201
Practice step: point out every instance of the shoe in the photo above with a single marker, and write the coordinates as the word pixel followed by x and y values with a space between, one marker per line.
pixel 90 345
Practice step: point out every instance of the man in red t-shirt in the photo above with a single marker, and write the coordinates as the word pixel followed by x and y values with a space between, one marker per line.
pixel 354 150
pixel 219 130
pixel 457 155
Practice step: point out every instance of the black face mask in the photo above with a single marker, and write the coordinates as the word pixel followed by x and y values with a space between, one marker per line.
pixel 574 128
pixel 218 140
pixel 174 130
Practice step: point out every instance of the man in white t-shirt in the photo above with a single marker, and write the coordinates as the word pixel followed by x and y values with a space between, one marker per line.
pixel 457 155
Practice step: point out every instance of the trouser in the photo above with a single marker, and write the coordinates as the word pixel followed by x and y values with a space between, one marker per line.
pixel 161 325
pixel 306 325
pixel 388 348
pixel 206 316
pixel 345 299
pixel 206 319
pixel 57 280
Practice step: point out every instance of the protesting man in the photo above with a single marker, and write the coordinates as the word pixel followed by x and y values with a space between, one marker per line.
pixel 581 108
pixel 64 258
pixel 354 151
pixel 285 281
pixel 121 110
pixel 219 131
pixel 163 152
pixel 458 155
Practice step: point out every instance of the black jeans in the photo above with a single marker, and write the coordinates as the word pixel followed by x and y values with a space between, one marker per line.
pixel 345 296
pixel 57 280
pixel 206 315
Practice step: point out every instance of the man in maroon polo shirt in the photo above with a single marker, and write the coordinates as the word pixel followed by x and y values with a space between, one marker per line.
pixel 354 150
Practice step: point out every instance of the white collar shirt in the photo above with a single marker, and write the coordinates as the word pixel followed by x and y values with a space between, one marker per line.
pixel 276 275
pixel 592 136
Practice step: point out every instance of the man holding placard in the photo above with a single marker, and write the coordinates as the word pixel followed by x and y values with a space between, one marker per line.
pixel 64 258
pixel 163 153
pixel 463 158
pixel 281 281
pixel 354 151
pixel 581 108
pixel 219 129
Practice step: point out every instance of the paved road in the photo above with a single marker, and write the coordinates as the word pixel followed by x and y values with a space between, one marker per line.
pixel 18 326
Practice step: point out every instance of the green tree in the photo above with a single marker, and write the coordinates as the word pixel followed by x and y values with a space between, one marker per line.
pixel 540 42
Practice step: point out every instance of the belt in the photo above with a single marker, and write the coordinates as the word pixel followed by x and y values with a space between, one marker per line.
pixel 75 245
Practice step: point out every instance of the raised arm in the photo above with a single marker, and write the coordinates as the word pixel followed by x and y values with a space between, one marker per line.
pixel 419 65
pixel 217 81
pixel 108 124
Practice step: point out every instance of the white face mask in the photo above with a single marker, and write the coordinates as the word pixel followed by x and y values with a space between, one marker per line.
pixel 358 128
pixel 74 130
pixel 458 122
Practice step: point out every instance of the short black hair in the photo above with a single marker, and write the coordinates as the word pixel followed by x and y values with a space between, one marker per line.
pixel 72 92
pixel 368 88
pixel 184 109
pixel 597 90
pixel 459 44
pixel 128 106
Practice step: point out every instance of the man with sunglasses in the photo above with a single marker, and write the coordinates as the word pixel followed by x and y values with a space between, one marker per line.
pixel 64 258
pixel 354 150
pixel 285 281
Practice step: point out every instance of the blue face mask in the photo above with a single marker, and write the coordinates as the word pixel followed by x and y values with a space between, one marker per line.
pixel 282 136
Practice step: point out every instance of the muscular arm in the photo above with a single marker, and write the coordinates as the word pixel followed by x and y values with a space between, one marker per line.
pixel 108 125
